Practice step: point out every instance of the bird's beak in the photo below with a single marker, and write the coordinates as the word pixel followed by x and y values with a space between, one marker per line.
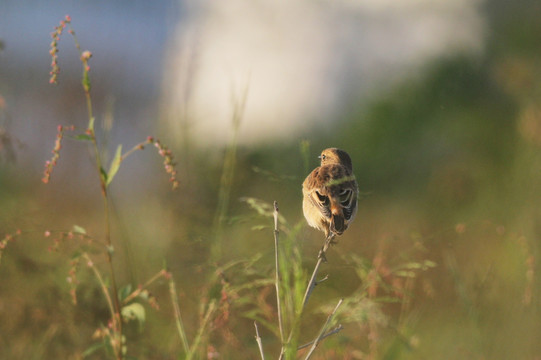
pixel 319 157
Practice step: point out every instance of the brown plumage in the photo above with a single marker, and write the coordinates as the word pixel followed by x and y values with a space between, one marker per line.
pixel 330 193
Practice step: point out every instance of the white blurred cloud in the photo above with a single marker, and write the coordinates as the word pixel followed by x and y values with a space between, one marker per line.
pixel 301 60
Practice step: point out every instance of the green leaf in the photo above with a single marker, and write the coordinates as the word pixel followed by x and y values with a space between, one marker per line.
pixel 115 165
pixel 82 137
pixel 134 311
pixel 78 230
pixel 124 292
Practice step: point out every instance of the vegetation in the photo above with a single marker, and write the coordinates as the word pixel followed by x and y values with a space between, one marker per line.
pixel 441 261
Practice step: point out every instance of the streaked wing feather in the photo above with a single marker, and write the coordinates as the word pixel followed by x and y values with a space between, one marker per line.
pixel 321 201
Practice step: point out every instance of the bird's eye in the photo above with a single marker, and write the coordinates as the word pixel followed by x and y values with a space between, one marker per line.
pixel 323 157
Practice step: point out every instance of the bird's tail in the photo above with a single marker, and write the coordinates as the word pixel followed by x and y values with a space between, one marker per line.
pixel 338 224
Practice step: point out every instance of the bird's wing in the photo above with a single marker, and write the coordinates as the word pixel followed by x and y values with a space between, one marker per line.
pixel 315 191
pixel 348 200
pixel 321 201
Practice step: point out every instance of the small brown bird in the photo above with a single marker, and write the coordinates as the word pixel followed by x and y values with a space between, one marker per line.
pixel 330 193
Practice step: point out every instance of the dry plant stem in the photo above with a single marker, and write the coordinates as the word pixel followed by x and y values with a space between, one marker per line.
pixel 337 329
pixel 259 344
pixel 323 330
pixel 283 350
pixel 178 318
pixel 277 278
pixel 320 259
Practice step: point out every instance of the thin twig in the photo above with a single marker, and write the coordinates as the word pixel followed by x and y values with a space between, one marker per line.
pixel 116 341
pixel 337 329
pixel 323 330
pixel 258 339
pixel 320 259
pixel 143 287
pixel 277 278
pixel 139 146
pixel 104 289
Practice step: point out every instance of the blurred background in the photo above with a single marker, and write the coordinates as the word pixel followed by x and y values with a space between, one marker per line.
pixel 437 102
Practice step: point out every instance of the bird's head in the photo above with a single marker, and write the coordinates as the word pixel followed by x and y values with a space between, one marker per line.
pixel 335 156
